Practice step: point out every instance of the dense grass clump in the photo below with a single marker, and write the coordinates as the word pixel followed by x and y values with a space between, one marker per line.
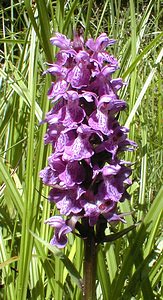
pixel 130 267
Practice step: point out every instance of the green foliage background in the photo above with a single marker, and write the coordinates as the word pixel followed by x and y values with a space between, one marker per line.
pixel 129 268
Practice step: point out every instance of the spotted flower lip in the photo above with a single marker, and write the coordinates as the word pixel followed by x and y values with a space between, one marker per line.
pixel 57 89
pixel 86 175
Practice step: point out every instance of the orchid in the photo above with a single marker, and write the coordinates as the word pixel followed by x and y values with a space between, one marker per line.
pixel 86 175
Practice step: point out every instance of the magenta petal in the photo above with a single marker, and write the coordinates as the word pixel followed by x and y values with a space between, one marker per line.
pixel 99 121
pixel 74 114
pixel 117 83
pixel 71 95
pixel 102 57
pixel 57 89
pixel 56 164
pixel 92 212
pixel 79 76
pixel 66 138
pixel 60 41
pixel 62 58
pixel 113 217
pixel 100 43
pixel 110 170
pixel 66 200
pixel 108 190
pixel 107 70
pixel 109 102
pixel 60 243
pixel 80 149
pixel 49 176
pixel 61 229
pixel 82 56
pixel 57 70
pixel 88 96
pixel 73 174
pixel 55 221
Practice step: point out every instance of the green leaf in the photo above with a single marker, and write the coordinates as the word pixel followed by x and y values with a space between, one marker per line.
pixel 68 264
pixel 133 251
pixel 6 177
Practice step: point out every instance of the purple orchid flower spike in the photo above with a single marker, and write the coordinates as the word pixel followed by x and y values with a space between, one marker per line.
pixel 86 176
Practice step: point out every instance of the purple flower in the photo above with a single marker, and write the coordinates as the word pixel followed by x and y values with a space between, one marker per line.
pixel 79 76
pixel 67 200
pixel 100 44
pixel 60 41
pixel 56 70
pixel 87 178
pixel 61 229
pixel 57 89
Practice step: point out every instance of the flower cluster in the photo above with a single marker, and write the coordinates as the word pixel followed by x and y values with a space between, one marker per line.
pixel 86 176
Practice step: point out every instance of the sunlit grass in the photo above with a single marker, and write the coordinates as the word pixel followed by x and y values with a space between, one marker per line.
pixel 30 268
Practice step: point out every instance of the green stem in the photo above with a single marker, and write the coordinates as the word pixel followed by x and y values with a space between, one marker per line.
pixel 90 264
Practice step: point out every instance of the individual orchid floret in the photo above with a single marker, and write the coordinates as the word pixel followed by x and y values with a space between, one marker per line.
pixel 61 229
pixel 100 43
pixel 60 41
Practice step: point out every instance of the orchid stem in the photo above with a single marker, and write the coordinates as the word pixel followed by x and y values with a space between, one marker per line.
pixel 90 266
